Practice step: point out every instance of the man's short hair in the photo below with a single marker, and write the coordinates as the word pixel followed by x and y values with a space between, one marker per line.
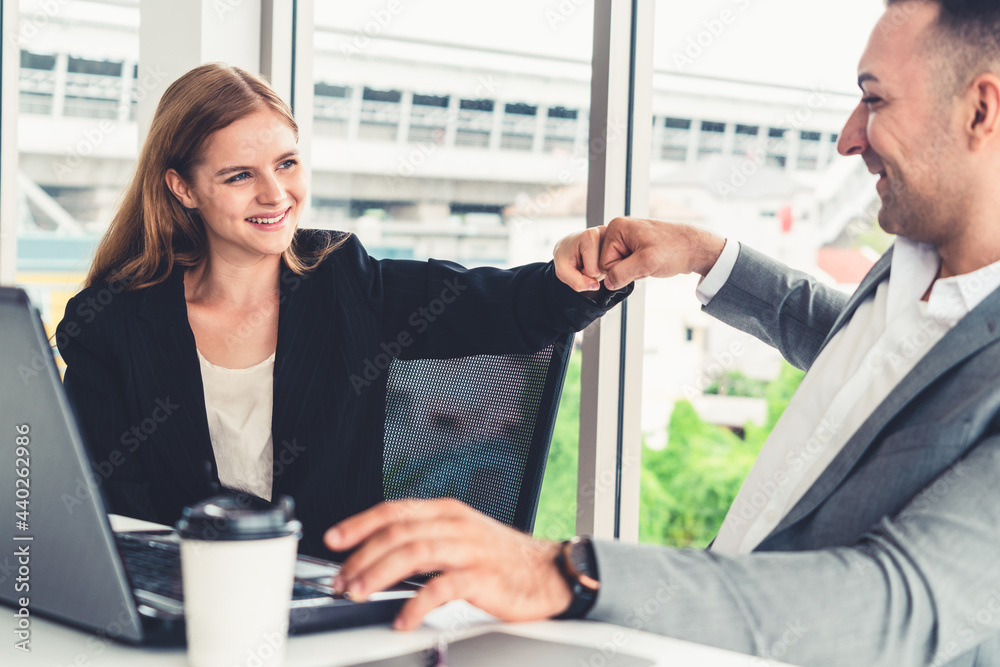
pixel 966 43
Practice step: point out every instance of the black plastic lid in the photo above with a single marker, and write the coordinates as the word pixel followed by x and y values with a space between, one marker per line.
pixel 239 517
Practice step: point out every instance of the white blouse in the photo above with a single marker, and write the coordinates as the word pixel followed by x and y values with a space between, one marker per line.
pixel 239 402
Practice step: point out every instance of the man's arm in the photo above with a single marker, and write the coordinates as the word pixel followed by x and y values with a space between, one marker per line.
pixel 628 249
pixel 786 309
pixel 922 586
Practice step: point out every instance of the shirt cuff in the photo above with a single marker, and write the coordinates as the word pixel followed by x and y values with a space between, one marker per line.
pixel 713 281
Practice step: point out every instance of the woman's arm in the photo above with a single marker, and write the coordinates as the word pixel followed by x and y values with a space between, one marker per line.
pixel 447 310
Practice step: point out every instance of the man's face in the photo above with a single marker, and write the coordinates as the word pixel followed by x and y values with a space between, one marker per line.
pixel 906 131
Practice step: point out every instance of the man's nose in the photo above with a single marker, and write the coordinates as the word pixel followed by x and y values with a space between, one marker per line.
pixel 854 137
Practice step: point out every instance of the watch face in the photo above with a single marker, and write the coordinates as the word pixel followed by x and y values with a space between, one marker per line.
pixel 579 556
pixel 582 563
pixel 578 565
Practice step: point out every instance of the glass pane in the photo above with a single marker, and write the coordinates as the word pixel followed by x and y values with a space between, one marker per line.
pixel 459 132
pixel 77 138
pixel 748 101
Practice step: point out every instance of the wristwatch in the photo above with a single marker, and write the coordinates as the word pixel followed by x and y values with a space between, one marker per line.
pixel 578 565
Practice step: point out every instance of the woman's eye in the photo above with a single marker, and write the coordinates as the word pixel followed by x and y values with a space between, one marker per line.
pixel 242 176
pixel 288 164
pixel 870 99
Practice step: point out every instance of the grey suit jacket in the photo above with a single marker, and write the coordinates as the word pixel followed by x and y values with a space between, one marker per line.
pixel 893 556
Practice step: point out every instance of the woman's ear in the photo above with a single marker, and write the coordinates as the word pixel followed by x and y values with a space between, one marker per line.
pixel 180 189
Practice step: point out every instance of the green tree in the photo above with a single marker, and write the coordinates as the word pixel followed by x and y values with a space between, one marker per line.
pixel 686 488
pixel 736 383
pixel 556 517
pixel 689 485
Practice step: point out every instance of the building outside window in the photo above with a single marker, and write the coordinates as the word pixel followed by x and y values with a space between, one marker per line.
pixel 710 394
pixel 464 136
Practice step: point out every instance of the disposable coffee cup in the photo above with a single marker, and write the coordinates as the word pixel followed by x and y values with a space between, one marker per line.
pixel 238 556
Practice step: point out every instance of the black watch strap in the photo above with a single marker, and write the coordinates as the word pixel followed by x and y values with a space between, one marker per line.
pixel 578 565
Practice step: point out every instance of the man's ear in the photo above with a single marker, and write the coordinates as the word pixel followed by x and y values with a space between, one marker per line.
pixel 180 189
pixel 984 121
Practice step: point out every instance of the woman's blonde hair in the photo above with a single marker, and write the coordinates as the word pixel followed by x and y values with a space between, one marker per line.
pixel 151 230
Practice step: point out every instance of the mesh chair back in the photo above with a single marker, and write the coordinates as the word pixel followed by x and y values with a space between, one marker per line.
pixel 475 428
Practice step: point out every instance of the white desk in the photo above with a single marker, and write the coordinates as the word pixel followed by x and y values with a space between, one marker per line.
pixel 55 645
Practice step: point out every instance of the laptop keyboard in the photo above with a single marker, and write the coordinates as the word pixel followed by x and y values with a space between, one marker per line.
pixel 152 566
pixel 155 566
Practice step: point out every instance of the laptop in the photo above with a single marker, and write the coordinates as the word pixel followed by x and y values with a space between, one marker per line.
pixel 65 562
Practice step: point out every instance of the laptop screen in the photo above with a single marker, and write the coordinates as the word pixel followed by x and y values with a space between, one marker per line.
pixel 66 565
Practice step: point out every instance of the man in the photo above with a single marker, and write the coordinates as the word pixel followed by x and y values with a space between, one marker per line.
pixel 868 531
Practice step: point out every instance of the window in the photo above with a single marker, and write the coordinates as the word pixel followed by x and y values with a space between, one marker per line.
pixel 676 138
pixel 777 147
pixel 563 129
pixel 77 141
pixel 428 118
pixel 474 123
pixel 460 131
pixel 766 127
pixel 809 147
pixel 519 127
pixel 94 88
pixel 746 139
pixel 331 109
pixel 711 138
pixel 466 145
pixel 380 114
pixel 832 148
pixel 37 82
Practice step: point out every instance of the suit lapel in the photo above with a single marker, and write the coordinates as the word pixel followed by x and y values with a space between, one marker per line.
pixel 973 332
pixel 163 307
pixel 294 363
pixel 163 304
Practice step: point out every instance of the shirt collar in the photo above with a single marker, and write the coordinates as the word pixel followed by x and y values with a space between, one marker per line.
pixel 915 266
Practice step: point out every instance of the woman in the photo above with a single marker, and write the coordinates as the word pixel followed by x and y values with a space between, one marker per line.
pixel 216 344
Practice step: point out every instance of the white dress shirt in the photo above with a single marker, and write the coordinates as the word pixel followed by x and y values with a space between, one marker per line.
pixel 238 402
pixel 885 338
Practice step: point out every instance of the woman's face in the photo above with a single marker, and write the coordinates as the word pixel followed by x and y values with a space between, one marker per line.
pixel 249 188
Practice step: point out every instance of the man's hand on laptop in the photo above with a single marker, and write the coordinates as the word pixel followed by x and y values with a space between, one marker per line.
pixel 498 569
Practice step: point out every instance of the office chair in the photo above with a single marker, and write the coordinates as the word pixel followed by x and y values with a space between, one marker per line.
pixel 475 428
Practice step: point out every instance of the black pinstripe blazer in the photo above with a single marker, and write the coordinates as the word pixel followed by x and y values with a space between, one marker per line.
pixel 134 378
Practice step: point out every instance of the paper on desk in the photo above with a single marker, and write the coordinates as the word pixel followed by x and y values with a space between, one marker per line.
pixel 500 649
pixel 307 569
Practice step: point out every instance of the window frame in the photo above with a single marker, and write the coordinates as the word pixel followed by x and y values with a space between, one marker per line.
pixel 610 453
pixel 618 183
pixel 10 66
